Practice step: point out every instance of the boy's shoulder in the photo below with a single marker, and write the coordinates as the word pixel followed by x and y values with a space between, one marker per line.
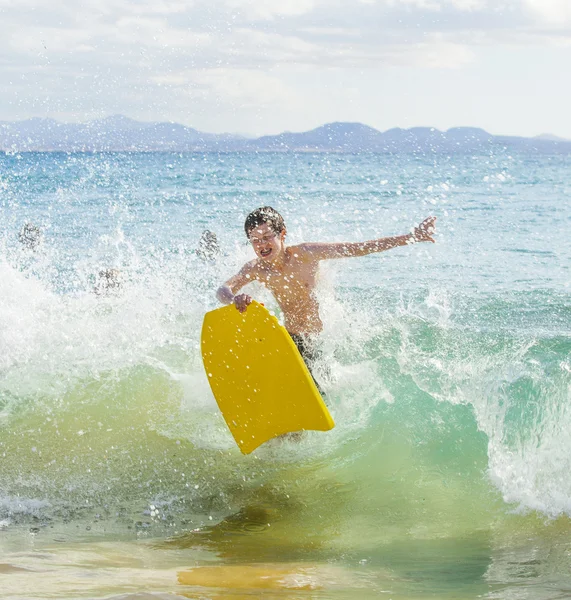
pixel 303 251
pixel 249 266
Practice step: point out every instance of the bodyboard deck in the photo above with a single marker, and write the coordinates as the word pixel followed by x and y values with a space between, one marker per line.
pixel 260 381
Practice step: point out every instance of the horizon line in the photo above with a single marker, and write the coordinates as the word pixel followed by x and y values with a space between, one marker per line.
pixel 545 135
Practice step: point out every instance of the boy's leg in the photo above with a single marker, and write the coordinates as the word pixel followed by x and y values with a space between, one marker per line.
pixel 310 354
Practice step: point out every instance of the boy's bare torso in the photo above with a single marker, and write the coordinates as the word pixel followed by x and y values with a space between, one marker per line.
pixel 293 286
pixel 290 272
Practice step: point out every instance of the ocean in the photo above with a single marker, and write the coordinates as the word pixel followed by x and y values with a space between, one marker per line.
pixel 447 368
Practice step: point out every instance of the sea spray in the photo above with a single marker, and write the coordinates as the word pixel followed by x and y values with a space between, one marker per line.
pixel 446 374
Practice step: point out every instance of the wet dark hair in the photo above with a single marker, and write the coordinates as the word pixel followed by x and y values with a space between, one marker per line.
pixel 265 214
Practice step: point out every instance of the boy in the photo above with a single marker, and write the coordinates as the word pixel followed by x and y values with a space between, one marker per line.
pixel 290 272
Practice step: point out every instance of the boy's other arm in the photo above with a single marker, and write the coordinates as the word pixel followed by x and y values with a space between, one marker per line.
pixel 324 251
pixel 226 292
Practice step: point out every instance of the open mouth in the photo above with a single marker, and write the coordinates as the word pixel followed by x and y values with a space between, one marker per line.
pixel 265 253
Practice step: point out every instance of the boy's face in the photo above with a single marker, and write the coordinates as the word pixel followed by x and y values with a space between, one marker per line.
pixel 268 245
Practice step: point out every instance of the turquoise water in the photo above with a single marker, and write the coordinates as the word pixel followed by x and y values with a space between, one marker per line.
pixel 447 367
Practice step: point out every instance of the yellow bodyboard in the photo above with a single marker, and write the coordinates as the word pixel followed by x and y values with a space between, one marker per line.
pixel 258 377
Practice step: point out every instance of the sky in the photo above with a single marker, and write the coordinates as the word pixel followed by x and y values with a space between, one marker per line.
pixel 266 66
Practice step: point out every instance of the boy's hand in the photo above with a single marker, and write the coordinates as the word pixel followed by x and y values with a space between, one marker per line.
pixel 425 231
pixel 241 302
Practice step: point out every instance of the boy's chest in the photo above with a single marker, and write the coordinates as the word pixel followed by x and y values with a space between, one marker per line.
pixel 295 279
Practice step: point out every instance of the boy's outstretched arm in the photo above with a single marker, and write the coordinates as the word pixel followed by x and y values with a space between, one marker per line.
pixel 324 251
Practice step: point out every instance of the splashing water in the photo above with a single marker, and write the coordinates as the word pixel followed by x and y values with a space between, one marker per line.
pixel 447 367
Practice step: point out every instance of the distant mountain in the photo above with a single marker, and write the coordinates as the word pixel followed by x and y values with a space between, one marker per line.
pixel 116 133
pixel 333 136
pixel 550 138
pixel 119 133
pixel 424 139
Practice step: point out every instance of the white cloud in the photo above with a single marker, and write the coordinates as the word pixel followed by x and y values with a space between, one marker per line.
pixel 153 55
pixel 245 88
pixel 341 32
pixel 269 9
pixel 439 54
pixel 34 40
pixel 258 33
pixel 432 5
pixel 552 12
